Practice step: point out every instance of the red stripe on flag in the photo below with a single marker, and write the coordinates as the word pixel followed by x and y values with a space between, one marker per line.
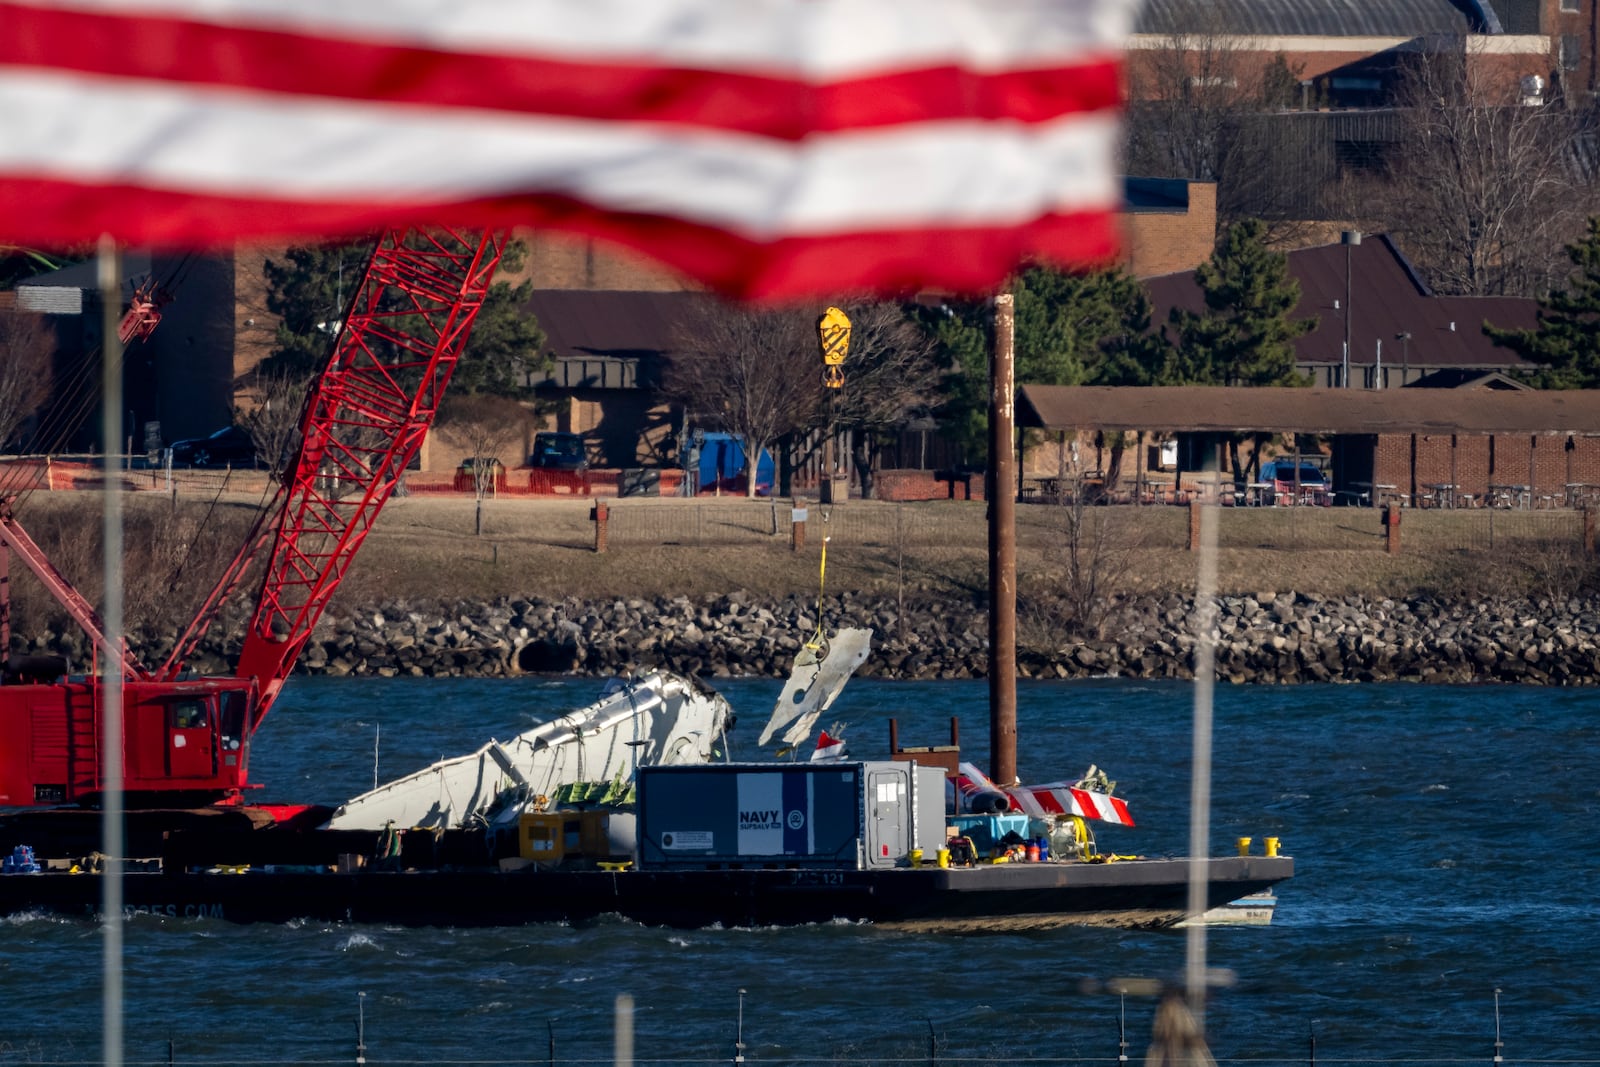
pixel 306 66
pixel 972 259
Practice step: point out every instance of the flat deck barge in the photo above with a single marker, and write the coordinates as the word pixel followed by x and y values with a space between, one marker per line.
pixel 1138 892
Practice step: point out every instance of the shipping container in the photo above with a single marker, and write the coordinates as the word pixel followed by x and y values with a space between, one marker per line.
pixel 851 815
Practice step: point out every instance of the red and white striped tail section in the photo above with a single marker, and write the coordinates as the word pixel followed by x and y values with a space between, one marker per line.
pixel 1043 801
pixel 1063 799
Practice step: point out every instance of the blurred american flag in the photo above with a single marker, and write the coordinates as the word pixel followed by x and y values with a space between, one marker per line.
pixel 770 148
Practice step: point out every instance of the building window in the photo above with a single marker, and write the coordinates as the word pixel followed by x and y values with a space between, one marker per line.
pixel 1569 51
pixel 1570 6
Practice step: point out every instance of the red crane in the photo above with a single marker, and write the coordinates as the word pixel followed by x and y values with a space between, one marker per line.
pixel 188 740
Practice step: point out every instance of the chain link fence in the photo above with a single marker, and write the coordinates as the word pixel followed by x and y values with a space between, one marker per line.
pixel 1038 526
pixel 956 524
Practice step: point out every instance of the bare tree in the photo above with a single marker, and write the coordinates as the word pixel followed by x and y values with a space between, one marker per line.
pixel 272 419
pixel 1097 550
pixel 487 425
pixel 255 325
pixel 1187 91
pixel 1202 107
pixel 754 372
pixel 27 347
pixel 1098 556
pixel 892 375
pixel 1484 193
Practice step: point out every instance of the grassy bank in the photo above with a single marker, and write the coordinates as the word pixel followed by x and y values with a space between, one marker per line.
pixel 425 548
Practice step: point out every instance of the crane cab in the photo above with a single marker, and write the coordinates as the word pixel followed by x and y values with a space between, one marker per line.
pixel 183 742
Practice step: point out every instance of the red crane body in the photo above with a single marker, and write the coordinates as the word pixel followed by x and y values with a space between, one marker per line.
pixel 188 740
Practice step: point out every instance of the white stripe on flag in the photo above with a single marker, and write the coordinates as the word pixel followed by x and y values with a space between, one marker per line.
pixel 233 143
pixel 826 39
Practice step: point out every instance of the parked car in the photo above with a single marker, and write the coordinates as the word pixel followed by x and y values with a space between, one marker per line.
pixel 553 450
pixel 228 447
pixel 1314 486
pixel 467 473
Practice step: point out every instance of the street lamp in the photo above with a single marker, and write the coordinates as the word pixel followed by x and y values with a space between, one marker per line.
pixel 1349 238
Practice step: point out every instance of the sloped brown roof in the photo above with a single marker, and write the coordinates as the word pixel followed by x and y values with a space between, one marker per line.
pixel 620 324
pixel 1388 299
pixel 1202 409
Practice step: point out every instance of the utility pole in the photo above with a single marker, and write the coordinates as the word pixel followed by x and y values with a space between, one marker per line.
pixel 1351 238
pixel 1002 546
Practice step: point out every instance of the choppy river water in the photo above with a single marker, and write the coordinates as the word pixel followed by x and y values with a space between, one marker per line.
pixel 1445 841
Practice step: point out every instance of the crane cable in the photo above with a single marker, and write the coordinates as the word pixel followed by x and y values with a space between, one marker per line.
pixel 79 394
pixel 818 644
pixel 200 528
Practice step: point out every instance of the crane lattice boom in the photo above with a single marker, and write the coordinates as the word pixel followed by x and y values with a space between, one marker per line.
pixel 364 421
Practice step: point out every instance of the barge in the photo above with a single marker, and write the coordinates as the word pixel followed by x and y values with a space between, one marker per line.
pixel 756 844
pixel 1135 893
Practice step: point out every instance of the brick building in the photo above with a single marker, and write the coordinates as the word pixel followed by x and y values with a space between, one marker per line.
pixel 1572 28
pixel 1349 53
pixel 1405 442
pixel 610 316
pixel 1284 102
pixel 1169 225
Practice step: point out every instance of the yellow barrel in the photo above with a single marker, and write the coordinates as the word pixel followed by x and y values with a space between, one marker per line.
pixel 944 857
pixel 1272 846
pixel 916 857
pixel 1244 846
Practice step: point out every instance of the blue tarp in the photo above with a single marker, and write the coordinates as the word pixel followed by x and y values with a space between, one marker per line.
pixel 722 460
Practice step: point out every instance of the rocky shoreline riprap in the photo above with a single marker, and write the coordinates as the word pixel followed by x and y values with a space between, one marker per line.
pixel 1264 638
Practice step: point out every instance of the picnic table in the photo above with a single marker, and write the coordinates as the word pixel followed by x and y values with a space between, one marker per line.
pixel 1442 494
pixel 1505 495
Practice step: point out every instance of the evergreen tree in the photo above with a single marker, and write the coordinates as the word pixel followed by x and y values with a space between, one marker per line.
pixel 309 290
pixel 1131 353
pixel 1071 329
pixel 961 331
pixel 507 343
pixel 1245 335
pixel 1567 339
pixel 311 287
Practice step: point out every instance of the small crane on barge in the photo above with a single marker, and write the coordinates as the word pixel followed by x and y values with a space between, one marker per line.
pixel 187 740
